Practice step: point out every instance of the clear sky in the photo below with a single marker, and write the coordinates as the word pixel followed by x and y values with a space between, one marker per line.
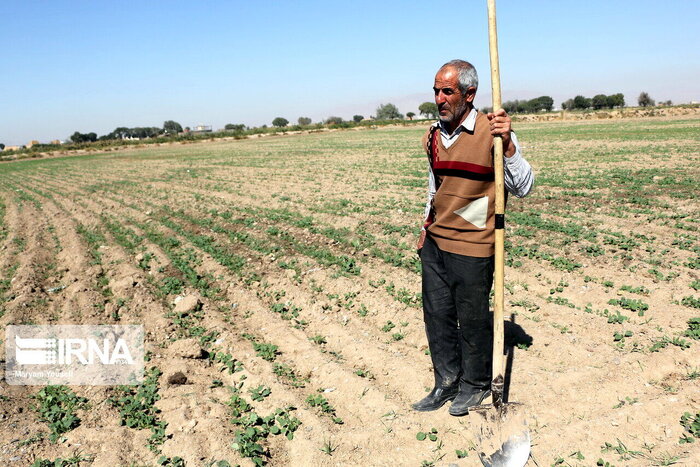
pixel 96 65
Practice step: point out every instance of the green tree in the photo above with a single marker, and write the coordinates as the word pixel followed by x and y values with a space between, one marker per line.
pixel 171 127
pixel 388 112
pixel 2 147
pixel 545 103
pixel 581 102
pixel 279 122
pixel 234 127
pixel 77 137
pixel 616 100
pixel 304 121
pixel 357 118
pixel 599 101
pixel 644 100
pixel 410 115
pixel 334 120
pixel 429 109
pixel 567 104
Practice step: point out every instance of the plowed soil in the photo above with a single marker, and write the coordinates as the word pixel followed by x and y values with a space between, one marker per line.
pixel 306 242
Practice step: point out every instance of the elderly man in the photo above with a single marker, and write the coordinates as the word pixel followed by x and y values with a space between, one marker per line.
pixel 456 246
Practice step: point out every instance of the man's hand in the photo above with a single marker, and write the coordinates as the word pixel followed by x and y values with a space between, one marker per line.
pixel 500 125
pixel 421 241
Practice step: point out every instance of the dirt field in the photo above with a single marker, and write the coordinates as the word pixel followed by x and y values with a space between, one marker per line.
pixel 280 292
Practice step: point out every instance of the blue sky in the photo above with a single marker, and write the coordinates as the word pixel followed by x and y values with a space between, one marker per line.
pixel 95 65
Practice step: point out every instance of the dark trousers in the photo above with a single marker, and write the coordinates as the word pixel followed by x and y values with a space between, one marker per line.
pixel 458 323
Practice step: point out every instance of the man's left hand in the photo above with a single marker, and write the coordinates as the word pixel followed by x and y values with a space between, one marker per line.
pixel 500 126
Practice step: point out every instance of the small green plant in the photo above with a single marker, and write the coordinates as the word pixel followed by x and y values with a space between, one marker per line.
pixel 75 460
pixel 461 453
pixel 363 373
pixel 397 336
pixel 621 449
pixel 265 351
pixel 641 290
pixel 627 401
pixel 693 330
pixel 227 362
pixel 388 326
pixel 691 302
pixel 691 424
pixel 288 376
pixel 176 461
pixel 616 318
pixel 602 463
pixel 362 311
pixel 634 305
pixel 259 393
pixel 136 406
pixel 329 447
pixel 317 400
pixel 58 406
pixel 216 383
pixel 431 435
pixel 620 336
pixel 318 339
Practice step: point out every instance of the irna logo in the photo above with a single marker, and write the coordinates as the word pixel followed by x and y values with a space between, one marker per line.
pixel 30 351
pixel 74 354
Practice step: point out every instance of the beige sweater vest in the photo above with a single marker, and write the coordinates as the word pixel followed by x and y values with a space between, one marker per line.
pixel 464 204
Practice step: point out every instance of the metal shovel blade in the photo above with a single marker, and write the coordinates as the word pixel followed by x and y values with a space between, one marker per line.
pixel 504 438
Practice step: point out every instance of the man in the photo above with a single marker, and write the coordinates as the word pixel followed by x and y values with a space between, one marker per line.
pixel 456 246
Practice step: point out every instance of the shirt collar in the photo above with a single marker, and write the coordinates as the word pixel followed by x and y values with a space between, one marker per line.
pixel 468 124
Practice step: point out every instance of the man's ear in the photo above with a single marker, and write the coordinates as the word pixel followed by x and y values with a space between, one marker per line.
pixel 471 94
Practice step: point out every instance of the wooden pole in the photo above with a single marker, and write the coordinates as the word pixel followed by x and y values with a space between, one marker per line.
pixel 497 368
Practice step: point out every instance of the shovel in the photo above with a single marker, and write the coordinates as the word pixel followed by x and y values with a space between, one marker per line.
pixel 504 439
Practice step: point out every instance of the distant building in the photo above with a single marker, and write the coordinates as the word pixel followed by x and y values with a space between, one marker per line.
pixel 57 141
pixel 12 148
pixel 201 129
pixel 31 143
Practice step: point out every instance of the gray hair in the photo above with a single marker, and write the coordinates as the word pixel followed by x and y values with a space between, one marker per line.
pixel 466 72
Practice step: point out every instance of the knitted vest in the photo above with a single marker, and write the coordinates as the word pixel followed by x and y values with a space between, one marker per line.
pixel 464 204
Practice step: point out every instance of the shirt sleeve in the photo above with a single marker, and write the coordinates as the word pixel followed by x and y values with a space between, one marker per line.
pixel 517 173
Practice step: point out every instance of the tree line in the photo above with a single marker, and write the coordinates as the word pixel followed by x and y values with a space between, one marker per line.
pixel 385 112
pixel 599 101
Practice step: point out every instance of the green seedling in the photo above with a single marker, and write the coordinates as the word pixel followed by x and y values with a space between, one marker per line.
pixel 136 406
pixel 691 424
pixel 329 447
pixel 165 461
pixel 693 330
pixel 634 305
pixel 627 401
pixel 259 393
pixel 58 406
pixel 431 435
pixel 691 302
pixel 317 400
pixel 318 340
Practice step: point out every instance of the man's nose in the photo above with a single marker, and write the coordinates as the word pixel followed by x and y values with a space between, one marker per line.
pixel 439 97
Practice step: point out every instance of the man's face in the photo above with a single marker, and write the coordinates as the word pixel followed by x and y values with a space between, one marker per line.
pixel 452 104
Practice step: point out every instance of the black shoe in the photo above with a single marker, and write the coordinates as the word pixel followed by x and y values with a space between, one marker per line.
pixel 436 399
pixel 465 399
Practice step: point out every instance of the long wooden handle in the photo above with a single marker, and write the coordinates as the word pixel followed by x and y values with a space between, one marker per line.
pixel 497 368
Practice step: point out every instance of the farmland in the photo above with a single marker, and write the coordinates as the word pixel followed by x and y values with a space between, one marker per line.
pixel 280 292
